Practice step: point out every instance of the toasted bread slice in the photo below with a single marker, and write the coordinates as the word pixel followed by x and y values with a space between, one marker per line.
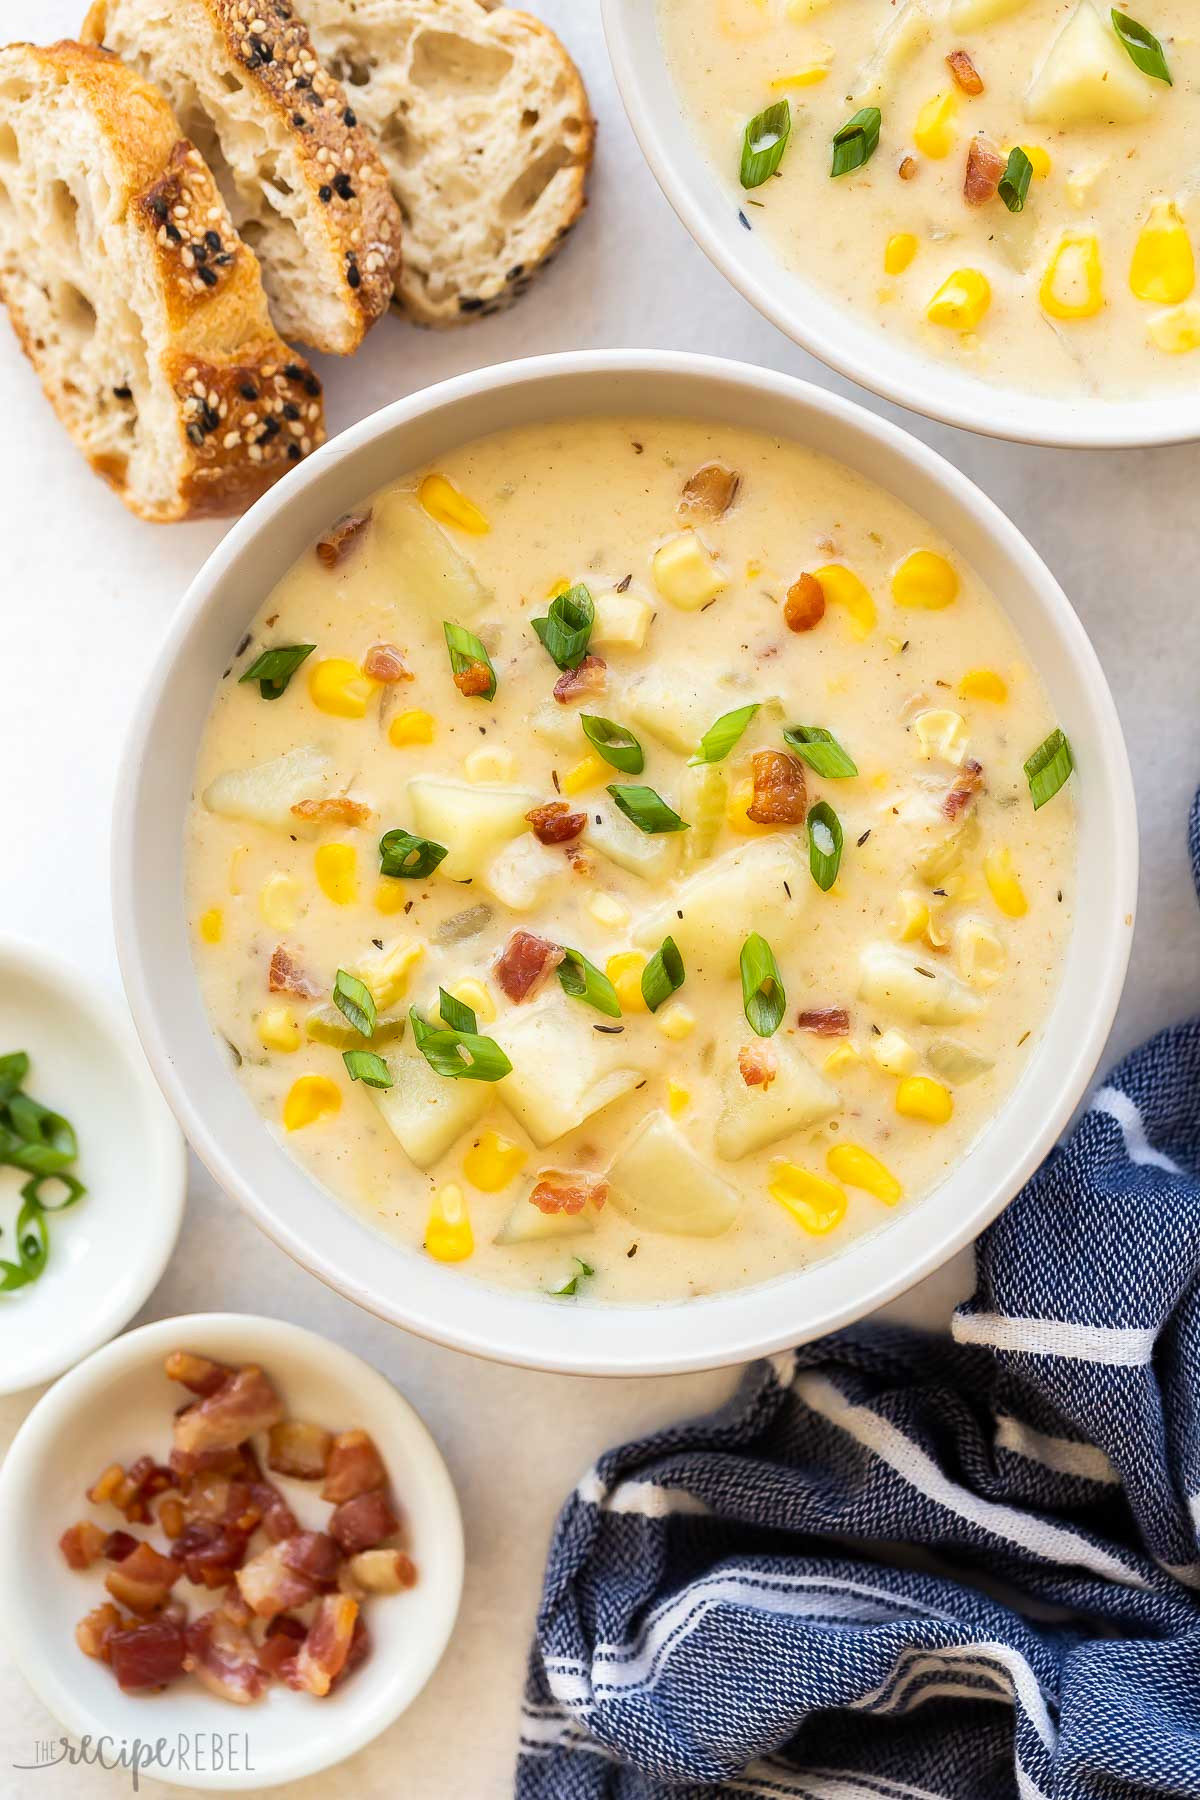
pixel 137 303
pixel 486 131
pixel 302 178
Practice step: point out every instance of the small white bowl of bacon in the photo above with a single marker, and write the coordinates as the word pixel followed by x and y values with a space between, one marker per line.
pixel 229 1536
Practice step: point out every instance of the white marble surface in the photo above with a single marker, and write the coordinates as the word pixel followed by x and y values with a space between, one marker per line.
pixel 85 591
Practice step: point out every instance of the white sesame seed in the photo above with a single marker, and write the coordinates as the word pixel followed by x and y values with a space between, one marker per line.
pixel 254 452
pixel 230 439
pixel 250 418
pixel 189 261
pixel 295 427
pixel 306 443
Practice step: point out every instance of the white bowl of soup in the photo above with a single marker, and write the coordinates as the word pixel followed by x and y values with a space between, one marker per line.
pixel 600 862
pixel 980 209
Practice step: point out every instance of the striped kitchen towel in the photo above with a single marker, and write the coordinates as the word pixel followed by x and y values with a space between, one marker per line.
pixel 902 1567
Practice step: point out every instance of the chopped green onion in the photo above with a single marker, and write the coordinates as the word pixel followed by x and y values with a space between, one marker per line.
pixel 615 743
pixel 456 1014
pixel 763 993
pixel 355 1001
pixel 1048 768
pixel 459 1055
pixel 721 736
pixel 568 626
pixel 663 975
pixel 42 1143
pixel 1014 183
pixel 857 141
pixel 467 652
pixel 13 1069
pixel 367 1067
pixel 824 844
pixel 582 980
pixel 763 143
pixel 409 858
pixel 647 810
pixel 1144 49
pixel 32 1191
pixel 821 751
pixel 275 668
pixel 34 1138
pixel 570 1286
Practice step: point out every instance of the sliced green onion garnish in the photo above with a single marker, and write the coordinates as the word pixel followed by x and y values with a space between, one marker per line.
pixel 857 141
pixel 1014 183
pixel 569 1287
pixel 355 1001
pixel 367 1067
pixel 38 1140
pixel 582 980
pixel 567 627
pixel 42 1143
pixel 647 810
pixel 467 652
pixel 456 1014
pixel 1143 47
pixel 33 1190
pixel 763 994
pixel 275 668
pixel 459 1055
pixel 821 751
pixel 824 844
pixel 615 743
pixel 13 1069
pixel 764 142
pixel 722 735
pixel 663 975
pixel 1048 767
pixel 409 858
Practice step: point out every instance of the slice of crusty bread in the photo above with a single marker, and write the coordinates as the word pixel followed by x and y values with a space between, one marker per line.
pixel 486 131
pixel 135 299
pixel 302 178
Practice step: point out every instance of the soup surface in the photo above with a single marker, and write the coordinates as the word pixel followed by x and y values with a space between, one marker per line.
pixel 747 1054
pixel 1087 288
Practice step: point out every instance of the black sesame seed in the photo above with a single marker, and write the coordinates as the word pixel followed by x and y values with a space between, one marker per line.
pixel 263 50
pixel 210 418
pixel 293 453
pixel 341 185
pixel 253 62
pixel 302 81
pixel 226 256
pixel 200 252
pixel 469 303
pixel 270 430
pixel 248 391
pixel 350 117
pixel 290 411
pixel 353 278
pixel 174 234
pixel 123 392
pixel 195 433
pixel 293 371
pixel 312 386
pixel 158 207
pixel 325 192
pixel 209 277
pixel 516 272
pixel 300 122
pixel 213 240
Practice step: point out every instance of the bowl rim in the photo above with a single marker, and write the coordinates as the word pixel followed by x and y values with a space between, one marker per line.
pixel 727 1328
pixel 889 369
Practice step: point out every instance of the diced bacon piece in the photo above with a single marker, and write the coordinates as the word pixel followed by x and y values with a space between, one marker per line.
pixel 222 1459
pixel 385 663
pixel 313 1555
pixel 107 1484
pixel 278 1519
pixel 268 1586
pixel 382 1571
pixel 222 1500
pixel 964 72
pixel 805 604
pixel 244 1404
pixel 300 1450
pixel 985 166
pixel 363 1522
pixel 708 494
pixel 81 1544
pixel 591 677
pixel 171 1516
pixel 555 823
pixel 144 1481
pixel 118 1545
pixel 285 976
pixel 525 962
pixel 323 1654
pixel 780 789
pixel 235 1606
pixel 568 1191
pixel 966 786
pixel 759 1065
pixel 209 1553
pixel 337 809
pixel 149 1654
pixel 199 1374
pixel 360 1649
pixel 143 1579
pixel 825 1021
pixel 222 1655
pixel 340 539
pixel 476 678
pixel 95 1629
pixel 283 1638
pixel 355 1466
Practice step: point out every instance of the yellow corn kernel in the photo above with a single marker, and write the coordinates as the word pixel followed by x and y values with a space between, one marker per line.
pixel 858 1168
pixel 338 686
pixel 477 995
pixel 842 1057
pixel 607 911
pixel 586 774
pixel 311 1098
pixel 1003 885
pixel 894 1054
pixel 386 973
pixel 816 1205
pixel 625 972
pixel 1073 285
pixel 686 573
pixel 1177 331
pixel 961 301
pixel 898 252
pixel 490 762
pixel 212 925
pixel 809 76
pixel 412 727
pixel 278 901
pixel 979 955
pixel 920 1097
pixel 679 1098
pixel 675 1020
pixel 925 579
pixel 492 1162
pixel 942 735
pixel 912 917
pixel 1163 268
pixel 448 1234
pixel 934 132
pixel 336 866
pixel 443 502
pixel 391 896
pixel 737 814
pixel 842 587
pixel 278 1030
pixel 983 684
pixel 1039 160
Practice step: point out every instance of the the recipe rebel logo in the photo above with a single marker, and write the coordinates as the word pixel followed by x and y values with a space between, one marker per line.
pixel 185 1752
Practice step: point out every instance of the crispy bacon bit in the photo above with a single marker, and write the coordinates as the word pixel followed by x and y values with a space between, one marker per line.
pixel 580 864
pixel 476 678
pixel 199 1374
pixel 708 494
pixel 363 1522
pixel 144 1480
pixel 283 1638
pixel 323 1654
pixel 297 1449
pixel 143 1579
pixel 382 1571
pixel 269 1586
pixel 277 1518
pixel 825 1021
pixel 171 1517
pixel 360 1649
pixel 780 789
pixel 222 1655
pixel 908 168
pixel 985 166
pixel 964 72
pixel 341 538
pixel 524 963
pixel 81 1544
pixel 355 1467
pixel 759 1065
pixel 313 1555
pixel 805 604
pixel 337 809
pixel 966 787
pixel 244 1404
pixel 384 663
pixel 555 823
pixel 235 1606
pixel 287 977
pixel 591 677
pixel 118 1545
pixel 95 1629
pixel 209 1553
pixel 147 1655
pixel 106 1484
pixel 567 1191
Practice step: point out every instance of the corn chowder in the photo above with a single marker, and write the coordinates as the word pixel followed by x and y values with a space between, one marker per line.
pixel 612 866
pixel 1010 185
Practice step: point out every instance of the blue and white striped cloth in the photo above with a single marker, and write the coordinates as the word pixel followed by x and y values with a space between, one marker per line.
pixel 901 1567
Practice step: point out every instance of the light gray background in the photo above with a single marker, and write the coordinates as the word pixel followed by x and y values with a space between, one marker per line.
pixel 85 592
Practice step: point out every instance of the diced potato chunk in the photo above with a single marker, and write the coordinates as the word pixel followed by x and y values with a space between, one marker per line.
pixel 427 1112
pixel 660 1183
pixel 753 1117
pixel 426 572
pixel 686 573
pixel 563 1071
pixel 522 875
pixel 265 793
pixel 928 996
pixel 971 15
pixel 907 30
pixel 527 1224
pixel 471 819
pixel 558 726
pixel 743 890
pixel 676 707
pixel 650 854
pixel 621 622
pixel 1088 77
